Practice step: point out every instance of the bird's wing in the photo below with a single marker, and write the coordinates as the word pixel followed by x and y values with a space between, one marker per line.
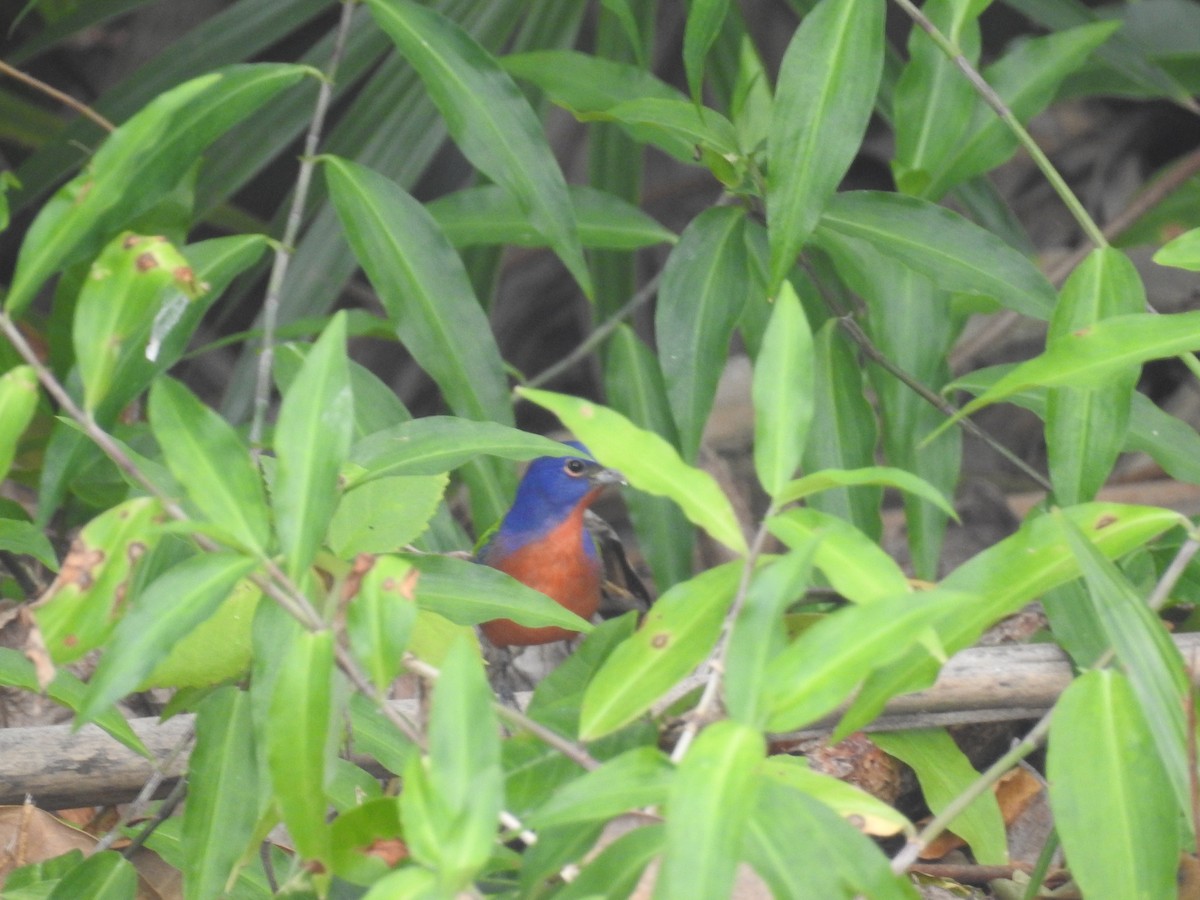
pixel 623 590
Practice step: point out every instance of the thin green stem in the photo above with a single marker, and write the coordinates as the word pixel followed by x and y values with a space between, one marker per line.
pixel 992 99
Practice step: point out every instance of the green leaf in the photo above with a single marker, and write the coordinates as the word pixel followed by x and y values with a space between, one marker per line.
pixel 212 463
pixel 1148 657
pixel 758 634
pixel 704 21
pixel 78 611
pixel 856 566
pixel 826 92
pixel 219 649
pixel 675 636
pixel 223 785
pixel 489 119
pixel 489 215
pixel 153 150
pixel 128 283
pixel 1093 354
pixel 870 814
pixel 955 253
pixel 636 778
pixel 824 666
pixel 705 285
pixel 709 804
pixel 380 618
pixel 359 831
pixel 617 869
pixel 782 391
pixel 880 475
pixel 432 445
pixel 18 402
pixel 1181 252
pixel 647 461
pixel 162 615
pixel 468 593
pixel 945 772
pixel 386 515
pixel 1120 842
pixel 678 128
pixel 26 538
pixel 1086 426
pixel 933 101
pixel 633 384
pixel 423 286
pixel 583 83
pixel 299 749
pixel 312 440
pixel 102 876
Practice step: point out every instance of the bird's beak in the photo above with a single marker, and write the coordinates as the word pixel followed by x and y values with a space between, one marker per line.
pixel 602 477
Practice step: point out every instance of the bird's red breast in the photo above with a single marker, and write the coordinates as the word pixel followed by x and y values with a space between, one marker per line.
pixel 558 565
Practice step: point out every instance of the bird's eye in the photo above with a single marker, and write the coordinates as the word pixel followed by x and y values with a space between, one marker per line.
pixel 575 467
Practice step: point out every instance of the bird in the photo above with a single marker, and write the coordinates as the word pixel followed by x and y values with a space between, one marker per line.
pixel 546 541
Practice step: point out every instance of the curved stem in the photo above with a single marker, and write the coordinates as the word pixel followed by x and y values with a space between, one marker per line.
pixel 65 99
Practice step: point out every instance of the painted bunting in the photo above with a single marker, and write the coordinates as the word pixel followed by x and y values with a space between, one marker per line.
pixel 550 541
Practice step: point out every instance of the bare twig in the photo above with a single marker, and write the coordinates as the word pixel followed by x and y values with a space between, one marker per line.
pixel 149 790
pixel 1162 590
pixel 65 99
pixel 283 250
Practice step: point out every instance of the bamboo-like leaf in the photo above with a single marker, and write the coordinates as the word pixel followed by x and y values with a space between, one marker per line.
pixel 1150 660
pixel 633 384
pixel 385 516
pixel 879 475
pixel 1086 426
pixel 618 868
pixel 299 751
pixel 945 772
pixel 648 462
pixel 18 402
pixel 709 803
pixel 380 618
pixel 783 388
pixel 854 564
pixel 489 215
pixel 637 778
pixel 955 253
pixel 823 667
pixel 704 21
pixel 312 440
pixel 212 463
pixel 489 119
pixel 103 876
pixel 1181 252
pixel 424 287
pixel 678 632
pixel 78 611
pixel 468 593
pixel 677 127
pixel 705 285
pixel 827 84
pixel 933 101
pixel 872 815
pixel 153 150
pixel 162 615
pixel 432 445
pixel 223 783
pixel 1092 354
pixel 1120 842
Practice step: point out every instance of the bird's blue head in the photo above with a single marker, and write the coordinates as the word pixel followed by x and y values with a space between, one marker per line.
pixel 553 487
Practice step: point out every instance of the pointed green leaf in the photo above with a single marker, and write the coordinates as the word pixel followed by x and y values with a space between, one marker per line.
pixel 468 593
pixel 153 150
pixel 704 21
pixel 18 402
pixel 676 635
pixel 223 785
pixel 955 253
pixel 945 772
pixel 212 463
pixel 432 445
pixel 380 618
pixel 705 285
pixel 424 288
pixel 1181 252
pixel 869 813
pixel 584 83
pixel 299 748
pixel 827 84
pixel 783 388
pixel 386 515
pixel 1120 842
pixel 25 538
pixel 489 119
pixel 648 462
pixel 312 440
pixel 160 616
pixel 637 778
pixel 103 876
pixel 880 475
